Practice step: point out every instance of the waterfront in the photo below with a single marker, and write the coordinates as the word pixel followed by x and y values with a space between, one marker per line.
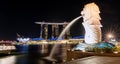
pixel 33 54
pixel 73 57
pixel 24 59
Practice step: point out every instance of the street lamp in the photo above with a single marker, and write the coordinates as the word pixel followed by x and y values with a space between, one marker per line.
pixel 110 37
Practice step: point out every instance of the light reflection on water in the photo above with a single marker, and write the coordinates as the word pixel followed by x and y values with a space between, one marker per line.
pixel 32 57
pixel 8 60
pixel 23 59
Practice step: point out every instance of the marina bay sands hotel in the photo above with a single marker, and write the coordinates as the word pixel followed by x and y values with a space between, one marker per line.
pixel 52 30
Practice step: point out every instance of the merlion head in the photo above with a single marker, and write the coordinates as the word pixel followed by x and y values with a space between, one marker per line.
pixel 90 10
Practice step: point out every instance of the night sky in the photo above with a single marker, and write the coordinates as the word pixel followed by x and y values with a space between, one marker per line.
pixel 19 16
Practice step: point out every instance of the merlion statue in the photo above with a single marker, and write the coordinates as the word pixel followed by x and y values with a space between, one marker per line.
pixel 91 23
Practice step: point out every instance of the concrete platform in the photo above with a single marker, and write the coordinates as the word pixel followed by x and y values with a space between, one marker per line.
pixel 96 60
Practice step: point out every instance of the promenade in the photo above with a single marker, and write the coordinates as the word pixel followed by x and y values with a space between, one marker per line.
pixel 96 60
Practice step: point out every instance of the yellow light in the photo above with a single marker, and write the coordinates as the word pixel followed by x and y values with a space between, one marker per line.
pixel 110 36
pixel 115 52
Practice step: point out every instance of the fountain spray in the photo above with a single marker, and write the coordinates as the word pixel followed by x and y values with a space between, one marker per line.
pixel 50 57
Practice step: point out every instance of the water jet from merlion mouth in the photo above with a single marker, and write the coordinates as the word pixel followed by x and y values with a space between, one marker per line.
pixel 50 57
pixel 91 23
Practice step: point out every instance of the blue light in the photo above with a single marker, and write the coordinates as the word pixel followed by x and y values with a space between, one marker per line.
pixel 78 37
pixel 105 45
pixel 37 39
pixel 56 38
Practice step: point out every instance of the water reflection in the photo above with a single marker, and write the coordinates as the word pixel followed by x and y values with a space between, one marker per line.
pixel 8 60
pixel 24 59
pixel 33 56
